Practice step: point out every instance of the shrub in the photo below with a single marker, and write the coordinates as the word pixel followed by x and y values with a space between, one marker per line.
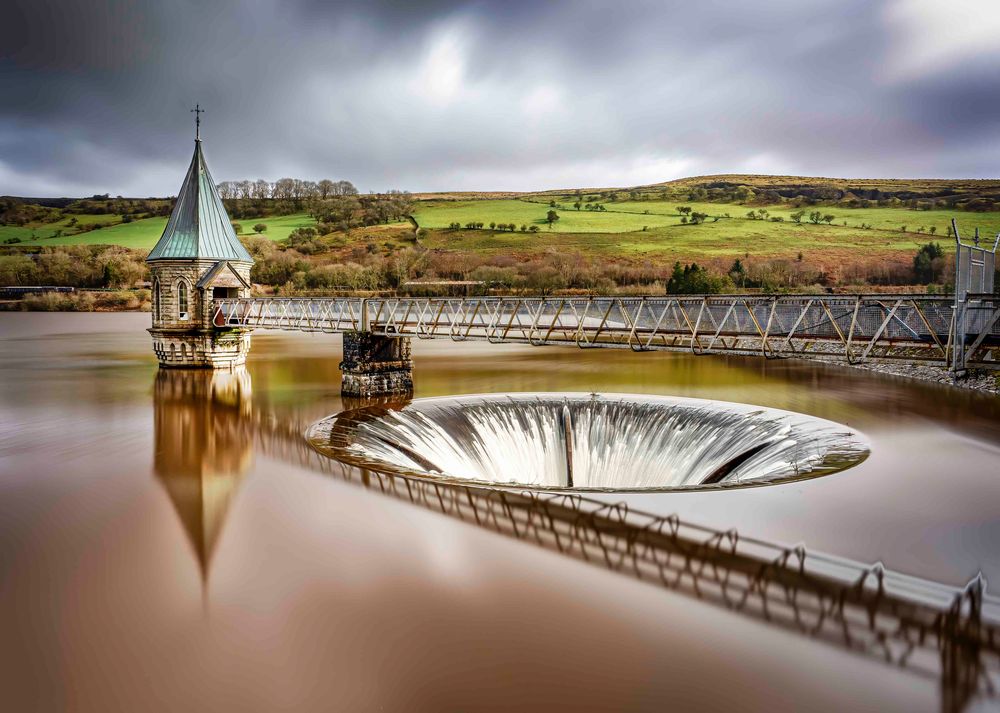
pixel 928 263
pixel 304 241
pixel 694 280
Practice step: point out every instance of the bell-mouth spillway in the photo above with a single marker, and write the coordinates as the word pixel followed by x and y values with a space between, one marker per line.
pixel 589 442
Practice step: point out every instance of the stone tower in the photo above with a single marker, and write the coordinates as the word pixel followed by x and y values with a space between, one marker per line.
pixel 198 259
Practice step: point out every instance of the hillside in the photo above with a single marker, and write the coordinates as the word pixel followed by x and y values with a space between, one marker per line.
pixel 779 232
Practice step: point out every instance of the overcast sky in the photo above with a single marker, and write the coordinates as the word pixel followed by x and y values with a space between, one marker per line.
pixel 505 95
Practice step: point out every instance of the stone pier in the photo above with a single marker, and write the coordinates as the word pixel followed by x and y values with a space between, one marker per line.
pixel 374 365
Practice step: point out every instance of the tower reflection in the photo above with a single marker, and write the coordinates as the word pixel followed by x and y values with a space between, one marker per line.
pixel 202 448
pixel 207 429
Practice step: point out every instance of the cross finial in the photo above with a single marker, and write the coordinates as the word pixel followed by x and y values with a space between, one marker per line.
pixel 197 111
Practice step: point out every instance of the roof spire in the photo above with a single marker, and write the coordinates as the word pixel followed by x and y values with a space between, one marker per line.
pixel 197 111
pixel 199 227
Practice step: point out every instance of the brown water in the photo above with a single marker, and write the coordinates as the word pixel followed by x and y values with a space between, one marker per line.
pixel 164 547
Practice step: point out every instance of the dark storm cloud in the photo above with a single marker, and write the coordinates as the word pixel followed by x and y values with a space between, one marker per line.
pixel 492 95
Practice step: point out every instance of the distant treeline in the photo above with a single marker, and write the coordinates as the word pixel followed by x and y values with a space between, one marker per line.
pixel 93 266
pixel 310 262
pixel 21 211
pixel 943 197
pixel 336 205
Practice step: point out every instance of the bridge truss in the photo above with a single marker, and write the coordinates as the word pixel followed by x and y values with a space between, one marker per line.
pixel 937 330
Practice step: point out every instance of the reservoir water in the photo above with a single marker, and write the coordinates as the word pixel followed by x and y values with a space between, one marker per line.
pixel 168 542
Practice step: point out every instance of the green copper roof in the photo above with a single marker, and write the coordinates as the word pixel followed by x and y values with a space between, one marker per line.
pixel 199 226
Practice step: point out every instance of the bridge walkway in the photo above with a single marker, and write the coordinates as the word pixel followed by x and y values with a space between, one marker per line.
pixel 853 328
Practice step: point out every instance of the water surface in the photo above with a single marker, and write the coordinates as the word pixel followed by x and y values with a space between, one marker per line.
pixel 164 544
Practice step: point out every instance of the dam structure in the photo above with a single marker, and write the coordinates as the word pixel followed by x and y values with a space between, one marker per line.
pixel 937 330
pixel 203 312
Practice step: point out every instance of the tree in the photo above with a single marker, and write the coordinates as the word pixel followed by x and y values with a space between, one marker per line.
pixel 344 188
pixel 928 263
pixel 304 240
pixel 815 217
pixel 493 225
pixel 326 187
pixel 545 280
pixel 577 205
pixel 828 218
pixel 797 216
pixel 693 280
pixel 284 188
pixel 260 190
pixel 683 209
pixel 737 273
pixel 259 227
pixel 697 217
pixel 551 217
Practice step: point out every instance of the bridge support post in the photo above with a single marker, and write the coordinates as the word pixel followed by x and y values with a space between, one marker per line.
pixel 374 365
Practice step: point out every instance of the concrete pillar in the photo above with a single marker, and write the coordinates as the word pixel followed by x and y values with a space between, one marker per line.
pixel 374 365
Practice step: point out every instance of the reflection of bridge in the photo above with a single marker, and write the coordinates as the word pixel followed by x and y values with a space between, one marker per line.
pixel 920 328
pixel 925 627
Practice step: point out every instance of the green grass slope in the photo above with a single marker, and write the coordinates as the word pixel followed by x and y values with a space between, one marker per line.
pixel 137 234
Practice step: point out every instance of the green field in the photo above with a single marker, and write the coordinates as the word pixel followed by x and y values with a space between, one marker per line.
pixel 618 231
pixel 625 217
pixel 627 229
pixel 137 234
pixel 440 214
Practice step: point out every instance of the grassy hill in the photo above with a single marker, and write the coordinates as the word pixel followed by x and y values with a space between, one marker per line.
pixel 142 233
pixel 869 232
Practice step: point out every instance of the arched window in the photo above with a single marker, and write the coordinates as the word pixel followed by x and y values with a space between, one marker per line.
pixel 182 300
pixel 156 298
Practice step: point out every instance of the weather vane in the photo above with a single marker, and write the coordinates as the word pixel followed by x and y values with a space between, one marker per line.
pixel 197 111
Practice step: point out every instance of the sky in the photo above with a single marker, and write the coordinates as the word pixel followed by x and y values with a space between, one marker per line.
pixel 439 95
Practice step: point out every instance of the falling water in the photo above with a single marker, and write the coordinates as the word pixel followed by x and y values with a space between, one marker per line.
pixel 590 441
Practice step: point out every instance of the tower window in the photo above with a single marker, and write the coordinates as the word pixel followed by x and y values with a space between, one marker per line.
pixel 156 298
pixel 182 300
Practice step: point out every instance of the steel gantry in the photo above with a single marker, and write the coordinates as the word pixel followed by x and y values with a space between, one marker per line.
pixel 856 328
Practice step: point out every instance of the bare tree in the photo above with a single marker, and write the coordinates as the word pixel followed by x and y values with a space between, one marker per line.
pixel 283 188
pixel 345 188
pixel 261 189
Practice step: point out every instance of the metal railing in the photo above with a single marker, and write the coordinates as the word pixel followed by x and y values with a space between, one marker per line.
pixel 855 328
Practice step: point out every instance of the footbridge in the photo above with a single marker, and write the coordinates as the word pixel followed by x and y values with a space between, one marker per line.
pixel 956 334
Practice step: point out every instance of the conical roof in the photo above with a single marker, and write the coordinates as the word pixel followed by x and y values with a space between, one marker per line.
pixel 199 226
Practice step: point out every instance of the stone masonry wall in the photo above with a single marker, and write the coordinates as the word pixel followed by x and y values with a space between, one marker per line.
pixel 193 342
pixel 374 365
